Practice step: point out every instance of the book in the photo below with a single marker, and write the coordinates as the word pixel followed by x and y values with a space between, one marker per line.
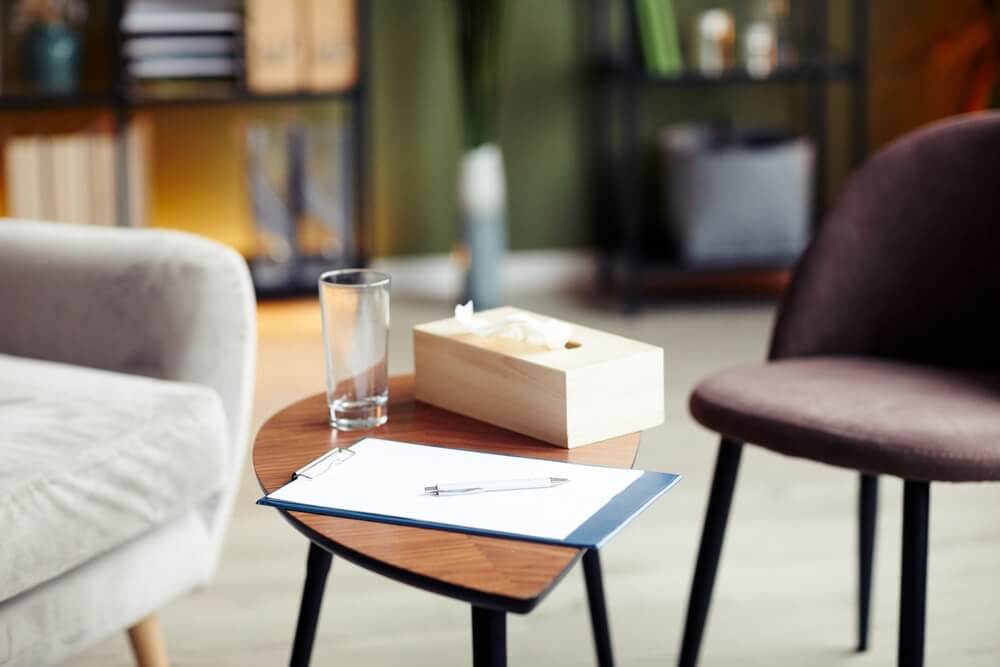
pixel 268 178
pixel 138 146
pixel 326 236
pixel 672 39
pixel 60 175
pixel 46 178
pixel 651 36
pixel 21 163
pixel 139 22
pixel 104 194
pixel 18 200
pixel 659 37
pixel 79 183
pixel 180 47
pixel 184 68
pixel 194 16
pixel 190 41
pixel 272 54
pixel 70 177
pixel 43 175
pixel 328 53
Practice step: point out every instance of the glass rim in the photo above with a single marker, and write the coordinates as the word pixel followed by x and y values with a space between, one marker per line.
pixel 329 278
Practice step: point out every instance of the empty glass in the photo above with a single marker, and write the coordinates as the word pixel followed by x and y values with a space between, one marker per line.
pixel 355 305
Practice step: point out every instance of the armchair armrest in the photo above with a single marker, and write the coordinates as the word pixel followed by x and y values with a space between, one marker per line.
pixel 148 302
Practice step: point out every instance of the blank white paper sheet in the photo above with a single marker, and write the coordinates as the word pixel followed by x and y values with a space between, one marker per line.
pixel 388 478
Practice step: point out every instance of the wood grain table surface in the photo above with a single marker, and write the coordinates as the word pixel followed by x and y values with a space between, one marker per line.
pixel 502 573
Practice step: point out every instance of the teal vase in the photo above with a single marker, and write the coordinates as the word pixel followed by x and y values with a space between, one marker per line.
pixel 482 193
pixel 50 57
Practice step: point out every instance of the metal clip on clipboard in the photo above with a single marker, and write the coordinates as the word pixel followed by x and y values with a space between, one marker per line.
pixel 318 467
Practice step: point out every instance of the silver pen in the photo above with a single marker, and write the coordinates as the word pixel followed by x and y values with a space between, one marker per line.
pixel 463 488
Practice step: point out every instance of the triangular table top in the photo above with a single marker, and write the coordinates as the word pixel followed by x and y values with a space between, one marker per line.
pixel 501 573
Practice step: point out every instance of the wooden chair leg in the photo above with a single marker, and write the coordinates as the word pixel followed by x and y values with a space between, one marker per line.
pixel 726 466
pixel 867 514
pixel 913 584
pixel 147 642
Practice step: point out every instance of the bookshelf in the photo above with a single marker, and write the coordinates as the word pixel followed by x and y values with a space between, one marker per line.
pixel 121 100
pixel 636 251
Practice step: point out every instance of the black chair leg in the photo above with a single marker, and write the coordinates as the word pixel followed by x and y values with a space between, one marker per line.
pixel 489 638
pixel 726 466
pixel 317 567
pixel 598 609
pixel 867 514
pixel 913 584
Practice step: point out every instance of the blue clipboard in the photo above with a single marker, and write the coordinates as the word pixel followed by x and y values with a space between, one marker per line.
pixel 592 533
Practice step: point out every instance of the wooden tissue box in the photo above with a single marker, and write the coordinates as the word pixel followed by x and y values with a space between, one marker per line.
pixel 599 386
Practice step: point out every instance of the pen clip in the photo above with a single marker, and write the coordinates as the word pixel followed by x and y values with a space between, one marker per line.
pixel 318 467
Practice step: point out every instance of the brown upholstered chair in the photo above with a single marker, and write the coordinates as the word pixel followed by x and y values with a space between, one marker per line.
pixel 885 358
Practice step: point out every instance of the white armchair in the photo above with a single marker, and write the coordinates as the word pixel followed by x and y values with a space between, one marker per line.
pixel 126 379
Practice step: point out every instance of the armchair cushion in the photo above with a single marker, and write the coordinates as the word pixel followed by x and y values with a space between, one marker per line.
pixel 90 459
pixel 883 417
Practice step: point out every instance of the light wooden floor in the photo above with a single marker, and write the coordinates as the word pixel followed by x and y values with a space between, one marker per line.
pixel 785 594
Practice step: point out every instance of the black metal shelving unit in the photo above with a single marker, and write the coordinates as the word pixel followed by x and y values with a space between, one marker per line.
pixel 120 100
pixel 619 81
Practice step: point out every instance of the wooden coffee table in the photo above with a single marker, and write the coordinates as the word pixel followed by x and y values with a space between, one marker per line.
pixel 494 575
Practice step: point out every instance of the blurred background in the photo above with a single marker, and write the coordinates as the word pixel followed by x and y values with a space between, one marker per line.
pixel 650 167
pixel 359 158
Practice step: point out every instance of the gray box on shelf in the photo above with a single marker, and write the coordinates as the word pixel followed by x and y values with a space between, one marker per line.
pixel 736 195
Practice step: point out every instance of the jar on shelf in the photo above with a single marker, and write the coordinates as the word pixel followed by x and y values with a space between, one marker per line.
pixel 50 49
pixel 714 42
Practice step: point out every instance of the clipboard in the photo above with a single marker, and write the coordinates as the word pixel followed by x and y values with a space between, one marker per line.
pixel 383 481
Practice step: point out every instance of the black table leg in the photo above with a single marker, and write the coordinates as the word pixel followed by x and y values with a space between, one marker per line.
pixel 489 638
pixel 598 610
pixel 317 567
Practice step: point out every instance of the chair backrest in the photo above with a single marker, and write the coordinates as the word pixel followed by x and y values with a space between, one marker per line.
pixel 906 264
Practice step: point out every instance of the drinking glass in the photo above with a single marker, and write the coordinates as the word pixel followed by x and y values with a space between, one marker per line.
pixel 355 305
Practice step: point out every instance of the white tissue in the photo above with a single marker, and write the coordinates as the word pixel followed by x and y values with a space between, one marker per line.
pixel 550 333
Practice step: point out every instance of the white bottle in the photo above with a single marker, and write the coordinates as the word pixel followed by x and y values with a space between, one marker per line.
pixel 760 46
pixel 715 37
